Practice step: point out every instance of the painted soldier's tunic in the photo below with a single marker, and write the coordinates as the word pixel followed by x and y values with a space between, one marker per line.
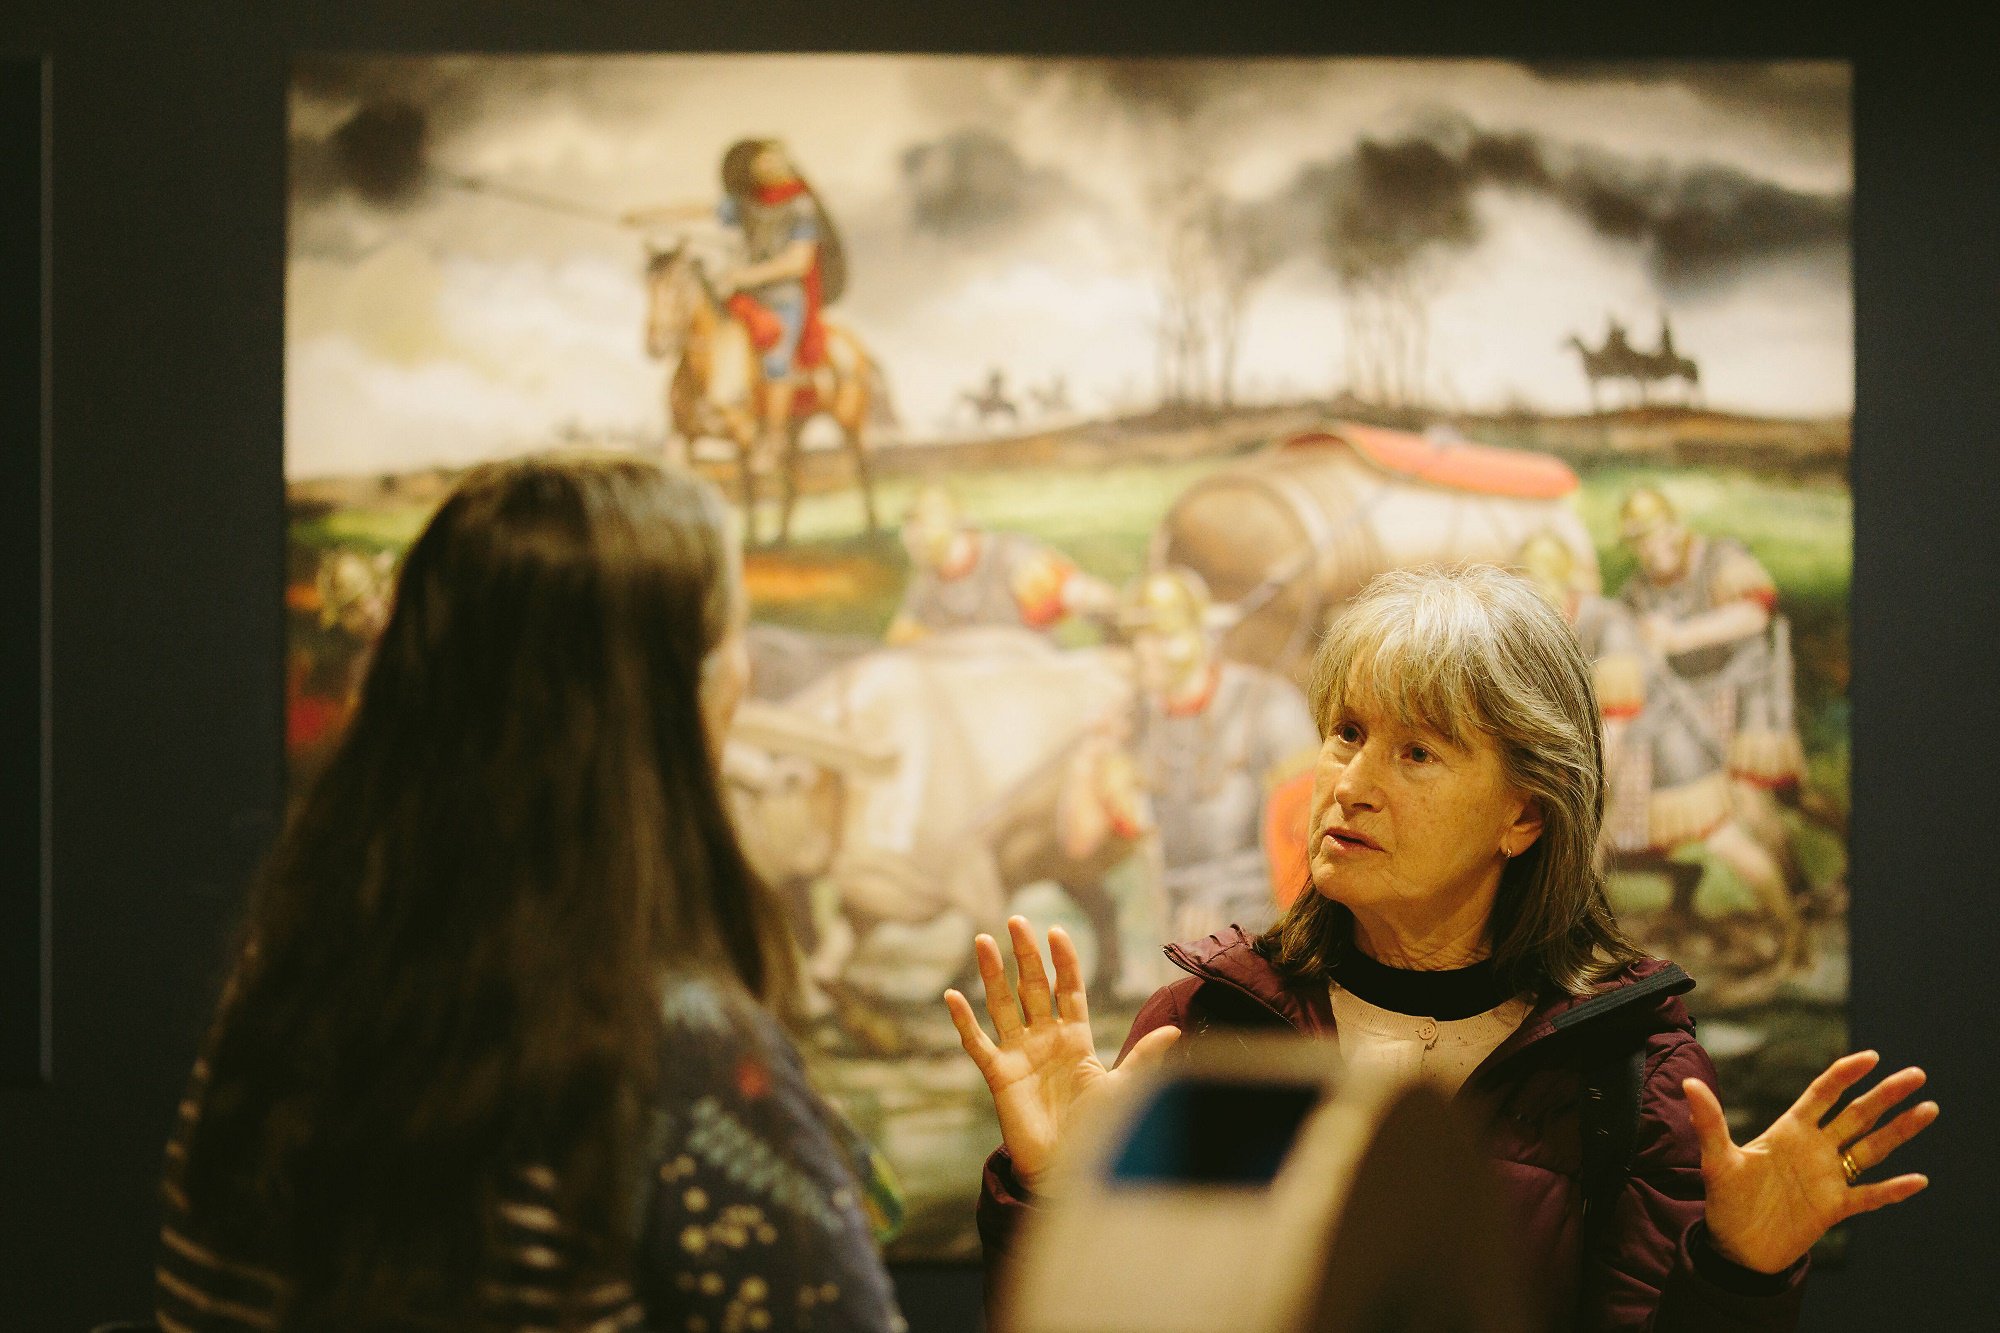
pixel 1210 771
pixel 768 230
pixel 1667 782
pixel 1739 694
pixel 1013 580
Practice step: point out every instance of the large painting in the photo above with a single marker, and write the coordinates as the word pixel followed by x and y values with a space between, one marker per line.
pixel 1065 403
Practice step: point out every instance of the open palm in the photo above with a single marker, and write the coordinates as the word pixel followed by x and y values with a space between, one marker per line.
pixel 1771 1198
pixel 1045 1064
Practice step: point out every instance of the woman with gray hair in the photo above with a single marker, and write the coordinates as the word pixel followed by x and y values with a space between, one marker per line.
pixel 1458 930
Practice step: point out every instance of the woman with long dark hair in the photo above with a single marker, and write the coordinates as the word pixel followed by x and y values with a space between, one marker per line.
pixel 497 1049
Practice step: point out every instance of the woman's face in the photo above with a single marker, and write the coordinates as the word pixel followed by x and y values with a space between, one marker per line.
pixel 1407 828
pixel 725 680
pixel 725 675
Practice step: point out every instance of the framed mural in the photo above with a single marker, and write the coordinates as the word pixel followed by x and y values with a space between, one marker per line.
pixel 24 568
pixel 1066 401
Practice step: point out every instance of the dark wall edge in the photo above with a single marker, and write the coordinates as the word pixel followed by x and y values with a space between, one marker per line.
pixel 26 1021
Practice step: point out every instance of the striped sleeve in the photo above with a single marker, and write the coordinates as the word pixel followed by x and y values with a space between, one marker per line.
pixel 534 1287
pixel 197 1290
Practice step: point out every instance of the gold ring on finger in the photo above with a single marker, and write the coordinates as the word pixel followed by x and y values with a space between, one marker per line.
pixel 1848 1167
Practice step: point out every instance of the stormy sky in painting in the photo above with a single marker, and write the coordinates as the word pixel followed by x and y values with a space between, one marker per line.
pixel 456 290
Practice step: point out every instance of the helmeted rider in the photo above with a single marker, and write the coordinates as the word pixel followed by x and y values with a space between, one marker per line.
pixel 793 267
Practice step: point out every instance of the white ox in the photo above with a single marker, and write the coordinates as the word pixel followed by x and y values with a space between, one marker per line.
pixel 928 783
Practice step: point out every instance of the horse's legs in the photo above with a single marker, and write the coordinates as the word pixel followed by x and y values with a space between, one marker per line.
pixel 746 444
pixel 863 472
pixel 788 481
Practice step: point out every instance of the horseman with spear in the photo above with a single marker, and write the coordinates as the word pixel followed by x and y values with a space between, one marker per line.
pixel 793 267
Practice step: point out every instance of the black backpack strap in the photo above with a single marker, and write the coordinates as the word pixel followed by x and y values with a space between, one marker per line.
pixel 1610 1120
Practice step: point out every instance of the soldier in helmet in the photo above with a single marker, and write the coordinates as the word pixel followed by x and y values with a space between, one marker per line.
pixel 962 575
pixel 1213 739
pixel 1708 607
pixel 1666 769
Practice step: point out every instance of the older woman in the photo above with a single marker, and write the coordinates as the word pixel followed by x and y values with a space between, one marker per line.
pixel 1459 931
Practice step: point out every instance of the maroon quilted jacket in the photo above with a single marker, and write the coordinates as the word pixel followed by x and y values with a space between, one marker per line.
pixel 1653 1268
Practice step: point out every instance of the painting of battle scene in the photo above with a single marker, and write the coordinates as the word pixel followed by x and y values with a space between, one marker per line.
pixel 1064 404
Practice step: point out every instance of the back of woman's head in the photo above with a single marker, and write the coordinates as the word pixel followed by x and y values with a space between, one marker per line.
pixel 452 964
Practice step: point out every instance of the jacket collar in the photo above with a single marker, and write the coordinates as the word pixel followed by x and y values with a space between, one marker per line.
pixel 1646 993
pixel 1229 958
pixel 1644 996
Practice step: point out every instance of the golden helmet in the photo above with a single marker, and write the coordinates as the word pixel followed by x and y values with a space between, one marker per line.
pixel 1548 561
pixel 354 589
pixel 932 508
pixel 1644 511
pixel 1171 601
pixel 932 523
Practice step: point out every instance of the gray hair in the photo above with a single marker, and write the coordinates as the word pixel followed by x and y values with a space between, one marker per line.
pixel 1475 651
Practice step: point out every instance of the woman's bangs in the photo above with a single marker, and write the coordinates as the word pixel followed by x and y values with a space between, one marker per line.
pixel 1419 669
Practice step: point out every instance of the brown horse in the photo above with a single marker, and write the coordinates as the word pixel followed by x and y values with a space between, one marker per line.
pixel 716 388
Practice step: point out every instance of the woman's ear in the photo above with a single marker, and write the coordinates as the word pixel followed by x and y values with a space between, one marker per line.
pixel 1527 827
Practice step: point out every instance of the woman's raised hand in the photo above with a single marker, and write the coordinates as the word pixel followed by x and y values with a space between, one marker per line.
pixel 1771 1198
pixel 1045 1063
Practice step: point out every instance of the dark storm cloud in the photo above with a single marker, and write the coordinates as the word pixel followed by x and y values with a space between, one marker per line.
pixel 1390 199
pixel 1704 218
pixel 975 181
pixel 379 151
pixel 379 144
pixel 389 115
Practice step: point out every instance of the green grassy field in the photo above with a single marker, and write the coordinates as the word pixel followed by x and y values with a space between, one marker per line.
pixel 387 527
pixel 1101 518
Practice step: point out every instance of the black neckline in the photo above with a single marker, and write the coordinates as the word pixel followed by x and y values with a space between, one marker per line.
pixel 1446 996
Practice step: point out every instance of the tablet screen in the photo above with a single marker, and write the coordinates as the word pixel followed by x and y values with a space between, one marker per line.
pixel 1215 1133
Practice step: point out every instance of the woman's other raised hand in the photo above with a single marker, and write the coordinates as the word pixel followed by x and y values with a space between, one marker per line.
pixel 1045 1063
pixel 1771 1198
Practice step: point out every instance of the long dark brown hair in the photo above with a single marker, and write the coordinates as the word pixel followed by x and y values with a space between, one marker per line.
pixel 1475 649
pixel 452 965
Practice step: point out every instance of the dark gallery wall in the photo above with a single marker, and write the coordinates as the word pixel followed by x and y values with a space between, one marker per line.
pixel 166 334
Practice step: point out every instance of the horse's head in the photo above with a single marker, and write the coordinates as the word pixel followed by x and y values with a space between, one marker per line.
pixel 674 291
